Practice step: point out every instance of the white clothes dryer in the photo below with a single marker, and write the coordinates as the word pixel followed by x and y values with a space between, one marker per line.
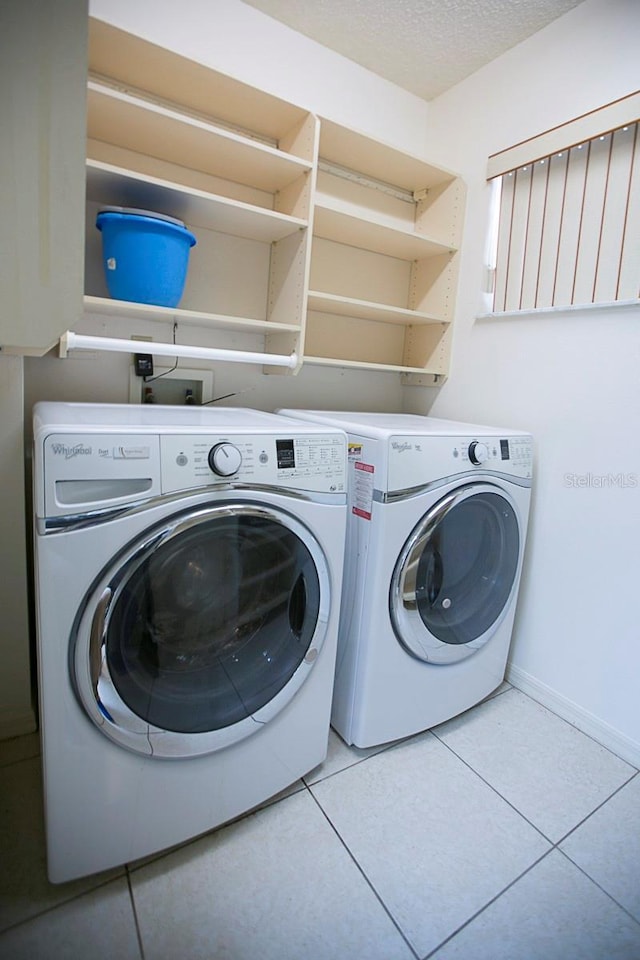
pixel 188 566
pixel 435 543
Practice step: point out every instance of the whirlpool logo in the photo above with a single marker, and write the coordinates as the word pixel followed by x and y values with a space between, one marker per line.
pixel 68 452
pixel 401 447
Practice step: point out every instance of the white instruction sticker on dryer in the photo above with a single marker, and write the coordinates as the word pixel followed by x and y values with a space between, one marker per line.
pixel 362 489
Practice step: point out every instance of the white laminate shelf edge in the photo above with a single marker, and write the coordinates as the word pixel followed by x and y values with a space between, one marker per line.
pixel 142 311
pixel 367 310
pixel 332 223
pixel 149 128
pixel 379 160
pixel 195 207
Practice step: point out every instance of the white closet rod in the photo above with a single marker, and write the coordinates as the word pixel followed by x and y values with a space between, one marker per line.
pixel 78 341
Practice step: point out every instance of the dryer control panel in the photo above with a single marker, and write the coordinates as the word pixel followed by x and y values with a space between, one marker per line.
pixel 316 462
pixel 414 461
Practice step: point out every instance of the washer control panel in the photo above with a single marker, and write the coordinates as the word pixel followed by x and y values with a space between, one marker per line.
pixel 98 471
pixel 316 462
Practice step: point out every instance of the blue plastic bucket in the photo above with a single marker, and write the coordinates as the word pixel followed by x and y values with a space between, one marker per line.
pixel 146 255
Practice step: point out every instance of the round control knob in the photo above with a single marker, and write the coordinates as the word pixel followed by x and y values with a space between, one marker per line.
pixel 225 459
pixel 478 452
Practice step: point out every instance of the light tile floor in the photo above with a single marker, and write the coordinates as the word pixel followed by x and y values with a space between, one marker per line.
pixel 505 834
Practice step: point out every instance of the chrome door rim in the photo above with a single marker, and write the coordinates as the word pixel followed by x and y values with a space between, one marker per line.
pixel 407 623
pixel 93 683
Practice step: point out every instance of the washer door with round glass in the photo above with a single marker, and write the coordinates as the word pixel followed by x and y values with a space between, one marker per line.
pixel 203 630
pixel 455 574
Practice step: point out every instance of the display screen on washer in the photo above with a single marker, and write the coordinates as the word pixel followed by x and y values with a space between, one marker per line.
pixel 286 454
pixel 504 449
pixel 213 622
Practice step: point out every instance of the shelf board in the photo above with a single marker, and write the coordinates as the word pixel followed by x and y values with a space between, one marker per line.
pixel 117 187
pixel 333 223
pixel 366 310
pixel 144 311
pixel 364 365
pixel 133 62
pixel 155 130
pixel 378 160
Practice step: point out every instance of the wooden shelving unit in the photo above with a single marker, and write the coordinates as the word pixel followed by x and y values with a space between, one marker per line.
pixel 327 242
pixel 387 220
pixel 242 179
pixel 330 246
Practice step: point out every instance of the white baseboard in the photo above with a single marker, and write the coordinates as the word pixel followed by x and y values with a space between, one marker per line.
pixel 14 724
pixel 623 746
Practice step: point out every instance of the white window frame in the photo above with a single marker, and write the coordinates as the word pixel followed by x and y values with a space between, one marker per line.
pixel 565 215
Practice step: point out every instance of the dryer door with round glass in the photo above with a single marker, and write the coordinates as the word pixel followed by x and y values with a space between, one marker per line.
pixel 455 574
pixel 202 630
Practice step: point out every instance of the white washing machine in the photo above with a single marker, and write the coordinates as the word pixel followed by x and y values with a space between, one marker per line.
pixel 435 541
pixel 188 566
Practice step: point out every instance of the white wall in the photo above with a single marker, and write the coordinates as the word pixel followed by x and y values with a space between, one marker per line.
pixel 572 379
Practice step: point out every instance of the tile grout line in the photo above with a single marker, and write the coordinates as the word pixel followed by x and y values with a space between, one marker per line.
pixel 488 904
pixel 599 807
pixel 356 763
pixel 308 787
pixel 552 848
pixel 519 812
pixel 555 846
pixel 582 869
pixel 390 745
pixel 362 873
pixel 573 726
pixel 134 866
pixel 494 790
pixel 135 914
pixel 5 765
pixel 62 903
pixel 601 888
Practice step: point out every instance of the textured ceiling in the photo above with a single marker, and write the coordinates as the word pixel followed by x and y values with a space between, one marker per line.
pixel 424 46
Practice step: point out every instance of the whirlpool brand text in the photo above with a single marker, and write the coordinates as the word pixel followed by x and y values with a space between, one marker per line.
pixel 68 452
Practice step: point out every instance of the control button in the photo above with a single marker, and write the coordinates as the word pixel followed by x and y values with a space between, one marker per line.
pixel 224 459
pixel 478 452
pixel 181 460
pixel 264 457
pixel 131 453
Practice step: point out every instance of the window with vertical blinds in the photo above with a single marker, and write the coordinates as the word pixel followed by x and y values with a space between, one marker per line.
pixel 567 224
